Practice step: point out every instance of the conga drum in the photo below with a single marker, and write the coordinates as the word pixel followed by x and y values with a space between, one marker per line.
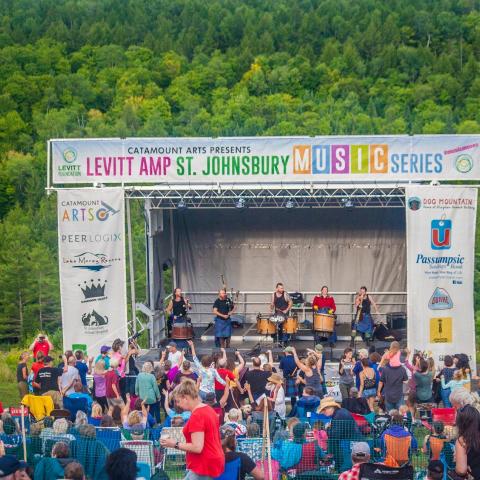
pixel 265 326
pixel 323 322
pixel 182 330
pixel 291 325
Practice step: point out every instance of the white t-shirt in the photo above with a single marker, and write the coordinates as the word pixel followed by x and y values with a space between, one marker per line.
pixel 68 378
pixel 175 358
pixel 280 406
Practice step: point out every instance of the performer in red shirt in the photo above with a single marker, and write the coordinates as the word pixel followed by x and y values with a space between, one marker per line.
pixel 324 303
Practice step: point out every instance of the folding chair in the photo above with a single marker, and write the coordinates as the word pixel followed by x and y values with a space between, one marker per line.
pixel 74 405
pixel 252 447
pixel 174 456
pixel 110 437
pixel 397 449
pixel 377 471
pixel 144 451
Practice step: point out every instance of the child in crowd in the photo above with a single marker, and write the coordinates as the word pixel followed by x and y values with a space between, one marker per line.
pixel 234 419
pixel 392 355
pixel 458 381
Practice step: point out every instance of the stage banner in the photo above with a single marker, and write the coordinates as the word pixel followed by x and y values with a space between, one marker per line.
pixel 440 268
pixel 265 159
pixel 91 240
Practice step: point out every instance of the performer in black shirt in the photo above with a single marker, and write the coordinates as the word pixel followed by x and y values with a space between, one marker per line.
pixel 222 309
pixel 280 306
pixel 177 309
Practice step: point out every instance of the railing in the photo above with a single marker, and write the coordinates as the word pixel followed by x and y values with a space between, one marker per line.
pixel 251 303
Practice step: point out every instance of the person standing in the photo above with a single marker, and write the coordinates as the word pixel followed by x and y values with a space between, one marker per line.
pixel 280 306
pixel 222 309
pixel 177 309
pixel 22 374
pixel 203 447
pixel 41 344
pixel 345 370
pixel 391 386
pixel 363 322
pixel 147 389
pixel 290 370
pixel 324 303
pixel 467 446
pixel 69 377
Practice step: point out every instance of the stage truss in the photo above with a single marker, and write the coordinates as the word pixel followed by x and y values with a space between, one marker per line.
pixel 271 196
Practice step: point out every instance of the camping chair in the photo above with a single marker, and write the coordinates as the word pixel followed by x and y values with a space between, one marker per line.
pixel 60 413
pixel 177 457
pixel 109 436
pixel 232 470
pixel 397 450
pixel 74 405
pixel 252 447
pixel 445 415
pixel 144 451
pixel 39 406
pixel 377 471
pixel 143 471
pixel 362 422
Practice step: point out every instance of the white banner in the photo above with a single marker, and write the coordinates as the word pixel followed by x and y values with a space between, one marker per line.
pixel 440 268
pixel 91 240
pixel 266 159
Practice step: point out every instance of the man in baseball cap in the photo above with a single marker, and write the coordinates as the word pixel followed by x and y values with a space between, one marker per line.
pixel 360 454
pixel 12 469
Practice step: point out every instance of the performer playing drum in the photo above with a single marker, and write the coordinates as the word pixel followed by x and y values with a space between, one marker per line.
pixel 177 309
pixel 363 322
pixel 324 303
pixel 222 309
pixel 280 306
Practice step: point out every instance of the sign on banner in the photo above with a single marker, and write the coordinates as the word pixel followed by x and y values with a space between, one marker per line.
pixel 440 268
pixel 268 159
pixel 91 239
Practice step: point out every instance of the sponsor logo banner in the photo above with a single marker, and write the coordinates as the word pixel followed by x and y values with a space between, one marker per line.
pixel 92 265
pixel 268 159
pixel 440 257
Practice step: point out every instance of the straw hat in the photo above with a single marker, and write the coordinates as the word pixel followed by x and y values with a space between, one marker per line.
pixel 327 402
pixel 275 378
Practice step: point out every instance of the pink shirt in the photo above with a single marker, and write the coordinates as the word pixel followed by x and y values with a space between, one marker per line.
pixel 121 363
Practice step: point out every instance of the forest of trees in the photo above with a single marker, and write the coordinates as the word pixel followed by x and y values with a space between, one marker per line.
pixel 81 68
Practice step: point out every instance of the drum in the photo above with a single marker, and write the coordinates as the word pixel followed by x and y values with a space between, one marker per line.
pixel 323 322
pixel 182 331
pixel 265 326
pixel 291 325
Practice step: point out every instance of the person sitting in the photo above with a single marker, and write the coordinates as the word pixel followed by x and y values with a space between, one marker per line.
pixel 96 416
pixel 74 471
pixel 299 454
pixel 433 444
pixel 397 442
pixel 308 402
pixel 122 463
pixel 151 422
pixel 107 422
pixel 176 411
pixel 237 464
pixel 356 404
pixel 80 419
pixel 360 454
pixel 233 420
pixel 53 467
pixel 79 393
pixel 133 418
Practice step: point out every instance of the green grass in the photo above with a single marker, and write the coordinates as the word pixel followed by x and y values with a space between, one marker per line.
pixel 9 394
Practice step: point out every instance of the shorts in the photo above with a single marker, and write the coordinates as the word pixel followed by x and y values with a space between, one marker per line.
pixel 115 402
pixel 369 392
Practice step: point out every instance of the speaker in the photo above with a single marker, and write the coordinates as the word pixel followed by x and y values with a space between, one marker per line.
pixel 397 320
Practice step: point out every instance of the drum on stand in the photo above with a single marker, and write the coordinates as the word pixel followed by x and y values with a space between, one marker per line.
pixel 265 326
pixel 290 326
pixel 182 330
pixel 323 322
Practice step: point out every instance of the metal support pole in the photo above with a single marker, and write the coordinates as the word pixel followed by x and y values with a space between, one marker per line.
pixel 172 252
pixel 132 272
pixel 49 158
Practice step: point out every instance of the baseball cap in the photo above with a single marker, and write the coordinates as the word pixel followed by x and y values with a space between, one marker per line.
pixel 47 359
pixel 360 449
pixel 105 349
pixel 9 464
pixel 435 466
pixel 172 344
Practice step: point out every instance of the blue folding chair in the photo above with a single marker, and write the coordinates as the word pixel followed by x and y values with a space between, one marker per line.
pixel 74 405
pixel 110 437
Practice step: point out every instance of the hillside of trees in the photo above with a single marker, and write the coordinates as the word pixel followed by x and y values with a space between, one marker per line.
pixel 82 68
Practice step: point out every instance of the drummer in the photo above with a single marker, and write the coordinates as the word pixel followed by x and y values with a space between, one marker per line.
pixel 222 309
pixel 177 309
pixel 280 306
pixel 363 322
pixel 325 303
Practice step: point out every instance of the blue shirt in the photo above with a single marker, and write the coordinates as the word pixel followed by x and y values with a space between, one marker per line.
pixel 82 371
pixel 105 359
pixel 287 365
pixel 83 395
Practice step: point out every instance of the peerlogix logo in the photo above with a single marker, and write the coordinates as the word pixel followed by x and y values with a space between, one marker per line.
pixel 441 234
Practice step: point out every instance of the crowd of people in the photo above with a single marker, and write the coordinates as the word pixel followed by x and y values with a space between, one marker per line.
pixel 225 410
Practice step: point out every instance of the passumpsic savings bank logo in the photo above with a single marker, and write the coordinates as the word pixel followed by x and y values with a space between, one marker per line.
pixel 441 234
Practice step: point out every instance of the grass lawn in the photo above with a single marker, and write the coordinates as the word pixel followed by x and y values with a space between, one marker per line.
pixel 9 394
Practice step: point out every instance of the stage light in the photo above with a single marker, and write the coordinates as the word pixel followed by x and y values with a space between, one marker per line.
pixel 181 205
pixel 240 203
pixel 289 204
pixel 349 203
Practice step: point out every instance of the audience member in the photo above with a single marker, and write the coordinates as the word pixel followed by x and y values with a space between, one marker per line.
pixel 360 454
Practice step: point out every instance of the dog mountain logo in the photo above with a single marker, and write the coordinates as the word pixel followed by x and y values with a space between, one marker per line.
pixel 414 203
pixel 441 234
pixel 440 300
pixel 93 291
pixel 94 319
